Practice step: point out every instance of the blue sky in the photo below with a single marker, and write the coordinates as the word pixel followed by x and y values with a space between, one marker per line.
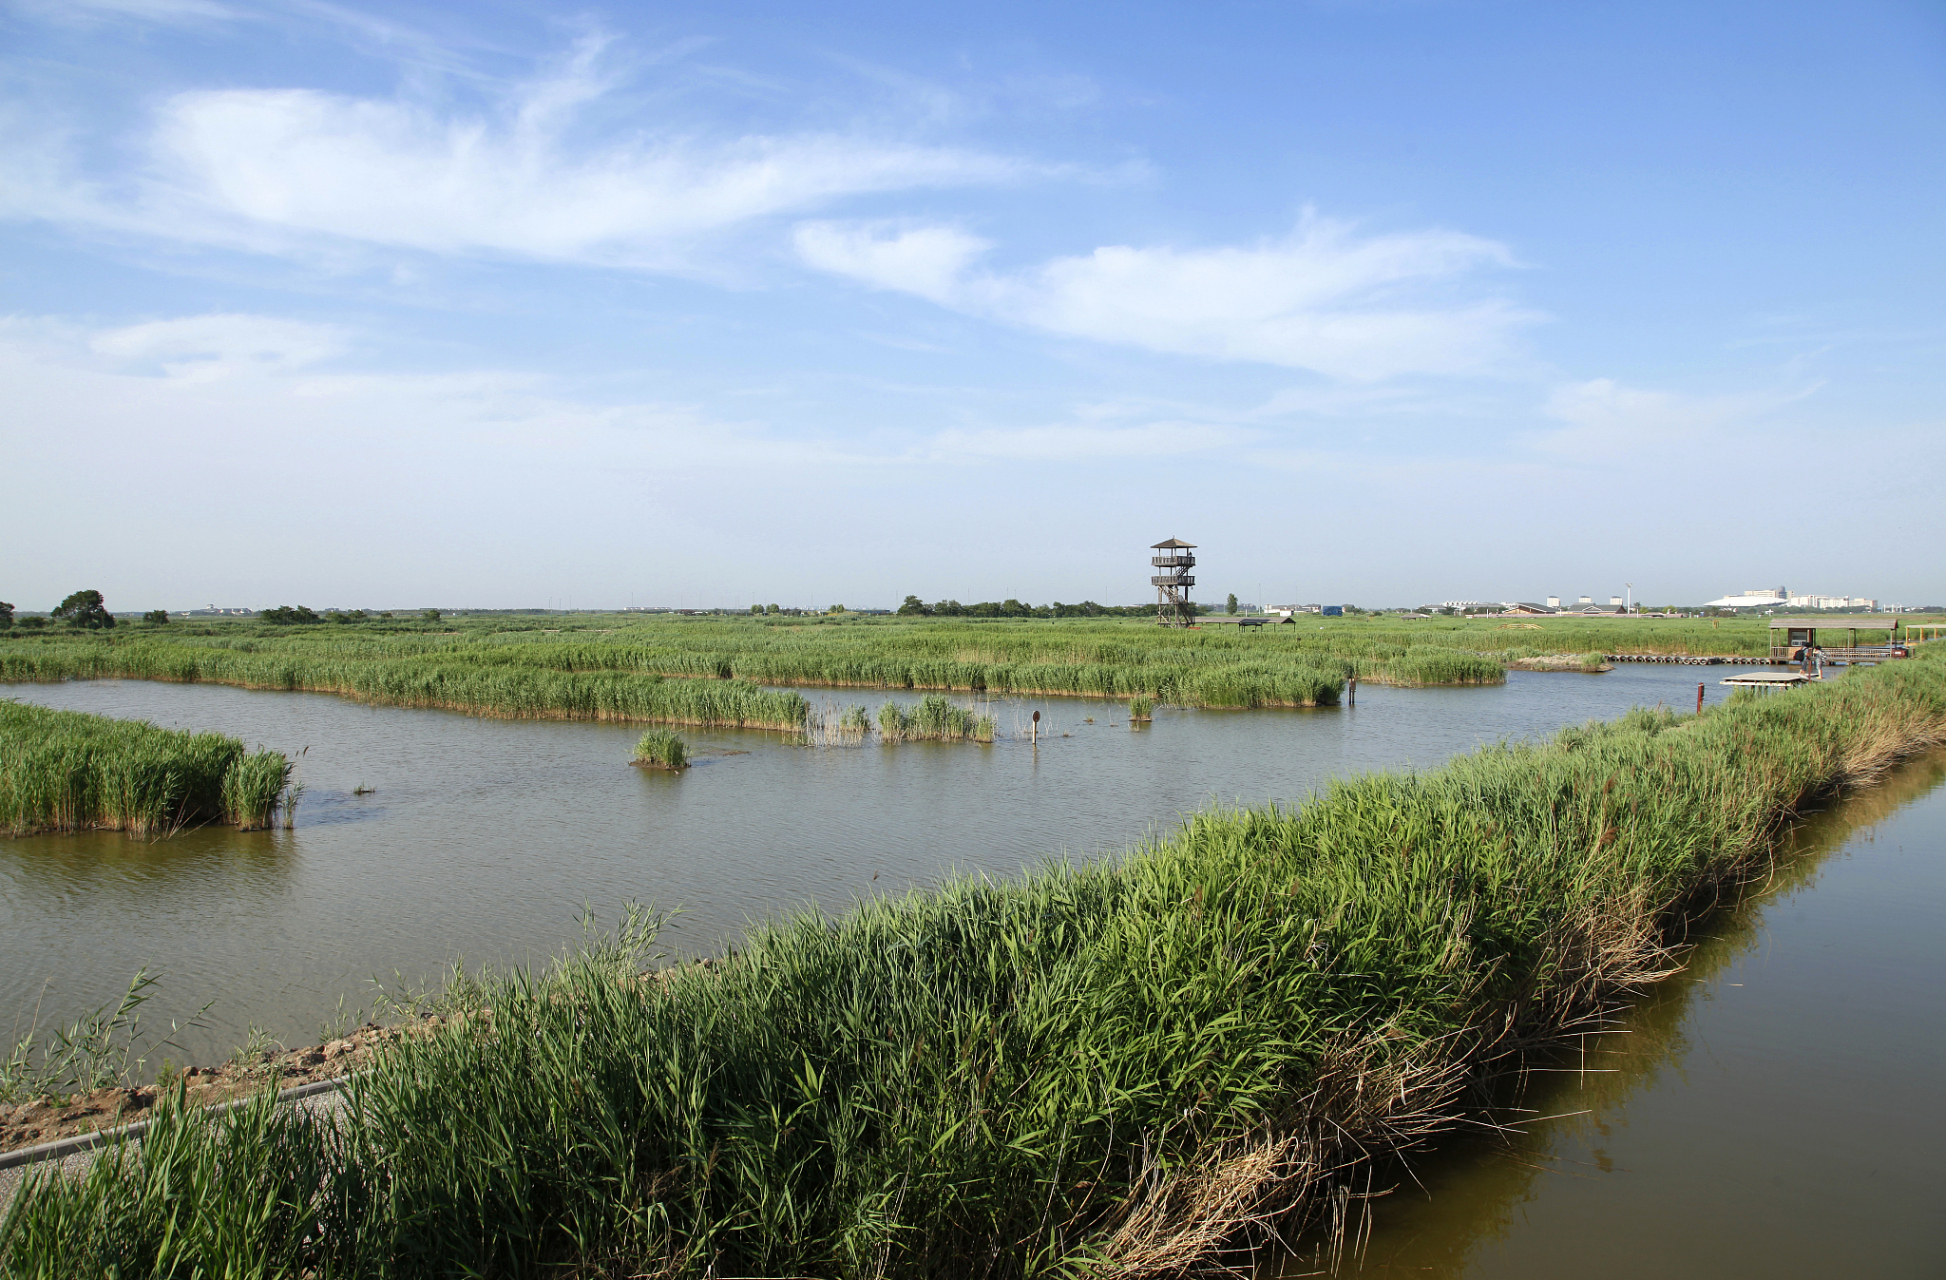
pixel 499 305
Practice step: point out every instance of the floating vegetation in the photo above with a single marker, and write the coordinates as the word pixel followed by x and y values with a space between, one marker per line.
pixel 69 771
pixel 1140 708
pixel 661 749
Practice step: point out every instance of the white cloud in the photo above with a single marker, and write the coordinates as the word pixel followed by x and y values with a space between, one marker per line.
pixel 1321 298
pixel 1607 420
pixel 206 348
pixel 282 169
pixel 1084 442
pixel 928 261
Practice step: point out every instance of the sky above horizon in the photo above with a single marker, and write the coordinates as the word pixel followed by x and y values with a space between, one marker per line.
pixel 497 305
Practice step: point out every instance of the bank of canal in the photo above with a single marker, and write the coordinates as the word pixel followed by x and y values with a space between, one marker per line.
pixel 1771 1113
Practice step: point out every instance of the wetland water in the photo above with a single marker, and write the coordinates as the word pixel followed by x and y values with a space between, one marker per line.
pixel 484 839
pixel 1773 1112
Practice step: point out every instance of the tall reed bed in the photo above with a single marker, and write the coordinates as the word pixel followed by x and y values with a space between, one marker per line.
pixel 1426 665
pixel 449 679
pixel 1125 1067
pixel 67 771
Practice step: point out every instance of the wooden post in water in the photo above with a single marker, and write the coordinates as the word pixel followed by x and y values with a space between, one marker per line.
pixel 1351 699
pixel 1699 698
pixel 1035 729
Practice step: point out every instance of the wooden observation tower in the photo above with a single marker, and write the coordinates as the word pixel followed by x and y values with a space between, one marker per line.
pixel 1172 562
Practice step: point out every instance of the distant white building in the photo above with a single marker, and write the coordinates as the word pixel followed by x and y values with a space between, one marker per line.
pixel 1861 603
pixel 1753 598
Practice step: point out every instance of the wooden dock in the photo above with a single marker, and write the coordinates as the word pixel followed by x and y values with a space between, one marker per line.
pixel 1766 680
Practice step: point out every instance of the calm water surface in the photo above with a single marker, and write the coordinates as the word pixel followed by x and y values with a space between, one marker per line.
pixel 485 839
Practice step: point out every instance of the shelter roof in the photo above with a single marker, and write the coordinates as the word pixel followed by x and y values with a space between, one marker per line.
pixel 1868 622
pixel 1173 544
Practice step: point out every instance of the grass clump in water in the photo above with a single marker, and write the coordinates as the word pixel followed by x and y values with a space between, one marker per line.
pixel 1141 707
pixel 855 724
pixel 662 749
pixel 70 771
pixel 933 719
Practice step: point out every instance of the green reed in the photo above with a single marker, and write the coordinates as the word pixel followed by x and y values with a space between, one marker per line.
pixel 662 749
pixel 1425 665
pixel 933 719
pixel 1111 1065
pixel 68 771
pixel 608 670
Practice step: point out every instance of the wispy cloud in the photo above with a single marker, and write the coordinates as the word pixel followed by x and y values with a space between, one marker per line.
pixel 298 168
pixel 1322 298
pixel 208 348
pixel 168 12
pixel 1073 442
pixel 1606 419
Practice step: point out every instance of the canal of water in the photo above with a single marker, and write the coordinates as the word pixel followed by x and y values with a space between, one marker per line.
pixel 1773 1112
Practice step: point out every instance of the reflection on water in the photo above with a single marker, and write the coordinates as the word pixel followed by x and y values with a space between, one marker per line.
pixel 485 839
pixel 1773 1112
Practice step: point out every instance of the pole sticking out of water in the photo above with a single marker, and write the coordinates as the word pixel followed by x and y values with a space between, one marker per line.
pixel 1351 692
pixel 1034 729
pixel 1699 698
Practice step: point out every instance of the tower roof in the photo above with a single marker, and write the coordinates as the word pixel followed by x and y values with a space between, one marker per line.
pixel 1174 544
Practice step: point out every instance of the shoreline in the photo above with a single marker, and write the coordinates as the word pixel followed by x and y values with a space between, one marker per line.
pixel 1438 926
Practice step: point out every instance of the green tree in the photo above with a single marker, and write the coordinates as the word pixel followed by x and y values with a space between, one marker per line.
pixel 156 616
pixel 31 623
pixel 432 615
pixel 757 609
pixel 836 608
pixel 913 607
pixel 773 609
pixel 6 616
pixel 1230 605
pixel 85 609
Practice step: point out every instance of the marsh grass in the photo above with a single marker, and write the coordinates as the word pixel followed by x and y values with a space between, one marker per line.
pixel 68 771
pixel 662 749
pixel 1141 708
pixel 107 1047
pixel 443 677
pixel 1123 1067
pixel 1433 666
pixel 708 672
pixel 933 718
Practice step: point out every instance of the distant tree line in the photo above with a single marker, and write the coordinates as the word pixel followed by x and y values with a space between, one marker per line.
pixel 914 607
pixel 303 616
